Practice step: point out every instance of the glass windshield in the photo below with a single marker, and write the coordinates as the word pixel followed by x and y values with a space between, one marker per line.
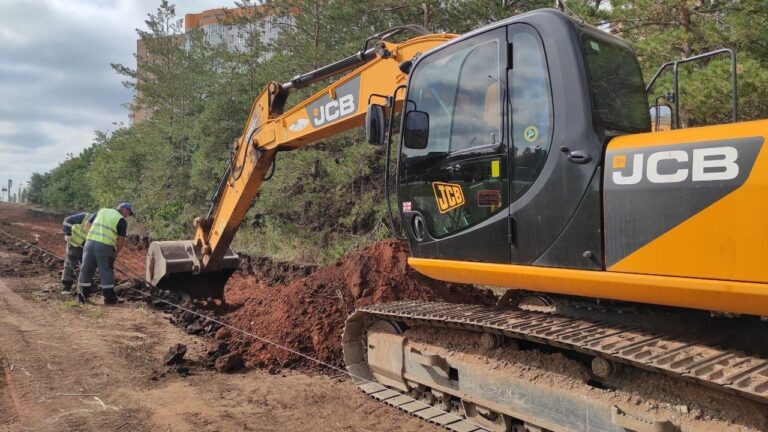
pixel 616 84
pixel 459 91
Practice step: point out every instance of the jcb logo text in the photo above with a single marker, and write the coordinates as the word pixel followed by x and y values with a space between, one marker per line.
pixel 675 166
pixel 448 196
pixel 333 110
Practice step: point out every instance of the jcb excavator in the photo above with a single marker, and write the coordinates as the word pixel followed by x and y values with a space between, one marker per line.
pixel 526 160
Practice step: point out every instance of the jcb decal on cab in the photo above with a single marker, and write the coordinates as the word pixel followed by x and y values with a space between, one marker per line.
pixel 677 165
pixel 448 196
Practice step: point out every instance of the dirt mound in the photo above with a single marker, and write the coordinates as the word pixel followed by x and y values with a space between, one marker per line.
pixel 271 272
pixel 308 314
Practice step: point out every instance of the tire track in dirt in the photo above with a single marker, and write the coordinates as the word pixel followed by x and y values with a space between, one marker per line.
pixel 56 371
pixel 8 413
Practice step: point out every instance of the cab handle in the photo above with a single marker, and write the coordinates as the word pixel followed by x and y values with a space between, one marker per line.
pixel 577 156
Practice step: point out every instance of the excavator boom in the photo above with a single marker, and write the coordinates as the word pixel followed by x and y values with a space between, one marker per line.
pixel 201 267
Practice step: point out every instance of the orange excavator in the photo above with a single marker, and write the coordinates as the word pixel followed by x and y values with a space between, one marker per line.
pixel 527 159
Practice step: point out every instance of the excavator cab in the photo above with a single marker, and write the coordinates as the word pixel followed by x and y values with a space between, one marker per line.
pixel 510 171
pixel 567 184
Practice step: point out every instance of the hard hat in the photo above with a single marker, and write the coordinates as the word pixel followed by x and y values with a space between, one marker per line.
pixel 126 206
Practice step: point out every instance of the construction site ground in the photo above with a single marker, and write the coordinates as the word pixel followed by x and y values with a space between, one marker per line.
pixel 92 367
pixel 67 367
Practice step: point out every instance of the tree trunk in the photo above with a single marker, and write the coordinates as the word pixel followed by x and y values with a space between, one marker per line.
pixel 685 20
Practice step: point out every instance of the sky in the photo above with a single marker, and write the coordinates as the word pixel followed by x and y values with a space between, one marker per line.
pixel 56 83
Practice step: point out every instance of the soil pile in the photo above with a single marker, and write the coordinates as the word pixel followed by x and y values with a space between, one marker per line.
pixel 308 314
pixel 269 271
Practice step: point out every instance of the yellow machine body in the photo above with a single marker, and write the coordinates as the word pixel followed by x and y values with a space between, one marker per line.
pixel 713 260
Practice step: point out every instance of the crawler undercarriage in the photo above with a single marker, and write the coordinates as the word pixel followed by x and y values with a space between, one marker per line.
pixel 470 367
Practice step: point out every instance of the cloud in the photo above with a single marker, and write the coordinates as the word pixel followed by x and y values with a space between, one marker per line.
pixel 23 139
pixel 56 83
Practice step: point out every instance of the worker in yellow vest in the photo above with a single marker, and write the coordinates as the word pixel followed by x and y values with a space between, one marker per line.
pixel 103 243
pixel 74 235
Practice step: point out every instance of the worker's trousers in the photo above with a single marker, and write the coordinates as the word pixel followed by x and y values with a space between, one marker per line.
pixel 101 256
pixel 72 261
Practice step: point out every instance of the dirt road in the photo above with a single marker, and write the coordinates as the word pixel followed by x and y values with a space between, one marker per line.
pixel 67 367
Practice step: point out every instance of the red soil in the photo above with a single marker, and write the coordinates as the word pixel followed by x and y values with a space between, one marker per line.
pixel 308 314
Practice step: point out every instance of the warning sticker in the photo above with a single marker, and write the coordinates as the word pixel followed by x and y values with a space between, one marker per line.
pixel 495 168
pixel 489 198
pixel 531 133
pixel 406 206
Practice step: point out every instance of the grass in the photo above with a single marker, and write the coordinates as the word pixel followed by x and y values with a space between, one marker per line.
pixel 88 310
pixel 71 303
pixel 136 350
pixel 93 312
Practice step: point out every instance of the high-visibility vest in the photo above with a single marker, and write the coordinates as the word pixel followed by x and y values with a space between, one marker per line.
pixel 79 233
pixel 104 227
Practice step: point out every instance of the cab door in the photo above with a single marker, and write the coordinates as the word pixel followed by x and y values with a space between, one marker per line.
pixel 554 178
pixel 454 186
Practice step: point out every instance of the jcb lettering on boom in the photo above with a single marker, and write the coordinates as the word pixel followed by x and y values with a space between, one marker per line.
pixel 675 166
pixel 333 110
pixel 341 103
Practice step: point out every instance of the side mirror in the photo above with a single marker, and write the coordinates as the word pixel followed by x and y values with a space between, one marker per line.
pixel 375 124
pixel 661 118
pixel 416 130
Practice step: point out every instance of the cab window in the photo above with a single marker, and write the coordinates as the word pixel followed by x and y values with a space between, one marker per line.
pixel 460 178
pixel 476 114
pixel 459 90
pixel 530 107
pixel 616 82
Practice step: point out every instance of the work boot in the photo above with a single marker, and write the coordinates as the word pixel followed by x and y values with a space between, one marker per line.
pixel 110 298
pixel 83 293
pixel 66 289
pixel 82 298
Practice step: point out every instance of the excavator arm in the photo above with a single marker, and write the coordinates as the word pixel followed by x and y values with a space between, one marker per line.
pixel 200 268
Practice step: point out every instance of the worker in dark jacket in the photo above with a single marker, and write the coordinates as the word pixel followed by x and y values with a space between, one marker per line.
pixel 74 234
pixel 103 243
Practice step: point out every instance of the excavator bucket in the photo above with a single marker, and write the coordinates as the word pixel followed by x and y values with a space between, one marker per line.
pixel 175 266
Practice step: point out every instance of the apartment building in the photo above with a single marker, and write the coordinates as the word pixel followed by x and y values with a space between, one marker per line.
pixel 218 28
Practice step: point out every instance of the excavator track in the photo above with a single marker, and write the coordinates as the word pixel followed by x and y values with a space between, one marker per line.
pixel 723 369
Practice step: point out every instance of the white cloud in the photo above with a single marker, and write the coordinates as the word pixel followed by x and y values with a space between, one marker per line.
pixel 56 83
